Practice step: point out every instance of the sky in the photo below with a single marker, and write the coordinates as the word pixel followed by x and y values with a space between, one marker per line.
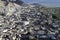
pixel 44 2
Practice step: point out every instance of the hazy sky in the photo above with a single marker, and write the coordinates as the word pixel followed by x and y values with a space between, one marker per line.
pixel 44 2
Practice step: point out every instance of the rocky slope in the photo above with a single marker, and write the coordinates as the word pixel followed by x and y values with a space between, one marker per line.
pixel 24 22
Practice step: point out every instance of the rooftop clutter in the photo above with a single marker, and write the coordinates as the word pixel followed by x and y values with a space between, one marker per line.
pixel 25 23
